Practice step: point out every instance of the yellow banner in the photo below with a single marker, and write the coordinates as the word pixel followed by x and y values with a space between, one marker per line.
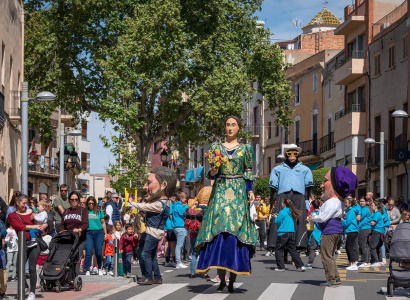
pixel 133 194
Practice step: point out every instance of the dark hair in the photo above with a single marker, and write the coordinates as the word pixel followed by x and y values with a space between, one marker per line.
pixel 110 228
pixel 75 193
pixel 13 198
pixel 379 205
pixel 238 120
pixel 352 201
pixel 63 186
pixel 295 213
pixel 107 218
pixel 35 201
pixel 96 207
pixel 128 226
pixel 20 197
pixel 315 203
pixel 403 215
pixel 164 174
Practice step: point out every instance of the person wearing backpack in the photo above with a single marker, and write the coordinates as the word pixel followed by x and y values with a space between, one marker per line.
pixel 193 221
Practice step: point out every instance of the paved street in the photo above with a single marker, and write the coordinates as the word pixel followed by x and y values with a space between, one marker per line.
pixel 263 284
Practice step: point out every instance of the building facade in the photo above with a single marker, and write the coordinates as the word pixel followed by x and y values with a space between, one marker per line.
pixel 11 75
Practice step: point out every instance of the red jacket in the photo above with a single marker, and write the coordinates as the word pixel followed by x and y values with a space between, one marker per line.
pixel 127 243
pixel 18 225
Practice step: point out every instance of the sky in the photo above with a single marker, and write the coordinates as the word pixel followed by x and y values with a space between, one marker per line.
pixel 278 16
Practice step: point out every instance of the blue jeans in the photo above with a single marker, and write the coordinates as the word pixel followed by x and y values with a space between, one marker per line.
pixel 95 239
pixel 383 247
pixel 180 232
pixel 194 255
pixel 108 263
pixel 140 248
pixel 149 258
pixel 126 263
pixel 34 232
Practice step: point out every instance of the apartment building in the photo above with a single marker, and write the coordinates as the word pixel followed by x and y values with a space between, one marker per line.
pixel 11 75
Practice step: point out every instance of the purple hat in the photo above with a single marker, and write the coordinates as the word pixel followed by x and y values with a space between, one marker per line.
pixel 344 181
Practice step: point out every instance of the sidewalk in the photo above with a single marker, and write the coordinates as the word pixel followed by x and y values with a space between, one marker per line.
pixel 93 285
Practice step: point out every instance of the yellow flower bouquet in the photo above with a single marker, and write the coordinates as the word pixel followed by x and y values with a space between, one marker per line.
pixel 216 159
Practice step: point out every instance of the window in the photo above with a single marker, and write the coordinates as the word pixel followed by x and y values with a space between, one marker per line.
pixel 2 61
pixel 297 94
pixel 84 131
pixel 297 131
pixel 377 64
pixel 269 130
pixel 329 88
pixel 155 147
pixel 276 129
pixel 314 83
pixel 405 46
pixel 269 164
pixel 392 56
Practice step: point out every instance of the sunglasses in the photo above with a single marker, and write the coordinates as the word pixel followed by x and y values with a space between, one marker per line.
pixel 74 199
pixel 294 153
pixel 91 203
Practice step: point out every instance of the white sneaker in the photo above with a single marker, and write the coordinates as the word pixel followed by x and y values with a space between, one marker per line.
pixel 95 270
pixel 377 264
pixel 303 269
pixel 104 272
pixel 87 273
pixel 181 266
pixel 338 252
pixel 31 296
pixel 352 268
pixel 111 273
pixel 384 261
pixel 100 272
pixel 280 270
pixel 268 253
pixel 364 265
pixel 317 253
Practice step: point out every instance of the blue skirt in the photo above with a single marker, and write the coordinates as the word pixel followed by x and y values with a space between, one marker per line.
pixel 225 252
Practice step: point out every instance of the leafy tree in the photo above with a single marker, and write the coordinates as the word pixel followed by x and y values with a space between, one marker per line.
pixel 261 187
pixel 156 68
pixel 318 178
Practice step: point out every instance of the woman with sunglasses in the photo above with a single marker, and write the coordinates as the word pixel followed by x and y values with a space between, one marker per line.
pixel 21 220
pixel 96 234
pixel 75 218
pixel 33 204
pixel 290 180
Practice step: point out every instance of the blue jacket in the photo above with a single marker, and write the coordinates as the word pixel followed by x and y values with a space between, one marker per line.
pixel 350 223
pixel 168 224
pixel 284 179
pixel 386 218
pixel 378 218
pixel 357 209
pixel 3 233
pixel 178 218
pixel 284 221
pixel 365 219
pixel 116 216
pixel 316 233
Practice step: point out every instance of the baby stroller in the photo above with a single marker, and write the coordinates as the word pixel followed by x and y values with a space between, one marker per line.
pixel 61 266
pixel 399 254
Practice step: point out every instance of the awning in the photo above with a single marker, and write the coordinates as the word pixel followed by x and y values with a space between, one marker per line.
pixel 314 166
pixel 199 174
pixel 190 175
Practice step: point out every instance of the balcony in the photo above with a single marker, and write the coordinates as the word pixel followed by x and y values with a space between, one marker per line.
pixel 374 154
pixel 351 68
pixel 350 25
pixel 350 121
pixel 327 142
pixel 309 147
pixel 44 166
pixel 15 116
pixel 254 129
pixel 66 118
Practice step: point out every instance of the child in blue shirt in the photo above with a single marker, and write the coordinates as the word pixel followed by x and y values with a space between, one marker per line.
pixel 285 221
pixel 314 239
pixel 351 229
pixel 365 231
pixel 377 231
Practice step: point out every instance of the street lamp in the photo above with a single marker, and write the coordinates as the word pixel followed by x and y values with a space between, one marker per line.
pixel 62 154
pixel 372 141
pixel 400 114
pixel 164 156
pixel 43 96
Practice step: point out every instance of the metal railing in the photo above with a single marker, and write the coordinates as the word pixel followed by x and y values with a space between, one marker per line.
pixel 348 110
pixel 352 55
pixel 327 142
pixel 309 147
pixel 42 164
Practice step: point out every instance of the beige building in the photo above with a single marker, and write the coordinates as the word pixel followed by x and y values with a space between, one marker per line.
pixel 11 74
pixel 102 185
pixel 388 58
pixel 352 72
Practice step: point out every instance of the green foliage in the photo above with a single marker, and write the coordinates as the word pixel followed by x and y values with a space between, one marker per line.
pixel 318 178
pixel 132 61
pixel 261 187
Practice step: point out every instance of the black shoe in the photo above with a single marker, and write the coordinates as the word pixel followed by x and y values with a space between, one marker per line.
pixel 192 276
pixel 230 288
pixel 3 296
pixel 221 287
pixel 206 276
pixel 31 244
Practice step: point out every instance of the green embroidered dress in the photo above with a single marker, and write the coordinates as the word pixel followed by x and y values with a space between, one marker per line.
pixel 227 238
